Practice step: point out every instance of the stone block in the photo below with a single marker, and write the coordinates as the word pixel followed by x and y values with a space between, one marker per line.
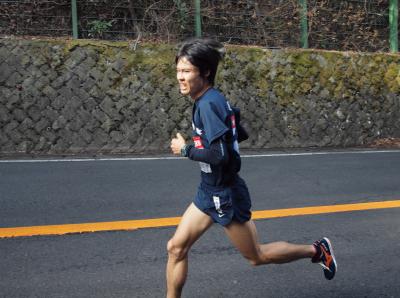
pixel 26 125
pixel 3 139
pixel 43 145
pixel 14 80
pixel 41 82
pixel 15 136
pixel 49 92
pixel 100 138
pixel 52 75
pixel 78 55
pixel 9 127
pixel 121 103
pixel 58 102
pixel 50 136
pixel 4 53
pixel 41 125
pixel 74 83
pixel 69 111
pixel 107 105
pixel 92 124
pixel 43 102
pixel 18 114
pixel 96 92
pixel 118 65
pixel 4 114
pixel 77 142
pixel 83 115
pixel 66 93
pixel 13 59
pixel 108 125
pixel 99 115
pixel 28 82
pixel 117 136
pixel 96 74
pixel 75 125
pixel 81 71
pixel 88 84
pixel 59 123
pixel 25 147
pixel 59 147
pixel 86 135
pixel 50 114
pixel 39 60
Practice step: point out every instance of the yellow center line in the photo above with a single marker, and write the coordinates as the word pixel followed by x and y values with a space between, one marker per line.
pixel 173 221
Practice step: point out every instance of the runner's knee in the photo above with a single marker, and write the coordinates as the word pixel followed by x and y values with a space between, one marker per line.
pixel 257 260
pixel 176 251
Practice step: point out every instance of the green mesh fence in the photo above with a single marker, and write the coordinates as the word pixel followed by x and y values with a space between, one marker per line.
pixel 335 25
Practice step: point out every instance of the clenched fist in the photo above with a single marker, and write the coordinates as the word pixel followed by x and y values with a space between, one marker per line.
pixel 177 144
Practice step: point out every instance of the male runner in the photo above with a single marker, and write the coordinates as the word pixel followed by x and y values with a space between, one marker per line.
pixel 222 196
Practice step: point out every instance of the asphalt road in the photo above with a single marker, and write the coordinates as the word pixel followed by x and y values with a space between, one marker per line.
pixel 132 263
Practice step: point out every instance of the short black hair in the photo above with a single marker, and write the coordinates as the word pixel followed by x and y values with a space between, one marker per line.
pixel 203 53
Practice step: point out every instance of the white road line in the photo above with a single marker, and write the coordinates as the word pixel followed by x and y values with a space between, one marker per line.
pixel 321 153
pixel 89 159
pixel 177 158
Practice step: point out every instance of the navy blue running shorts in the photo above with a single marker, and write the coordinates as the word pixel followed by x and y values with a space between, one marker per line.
pixel 226 204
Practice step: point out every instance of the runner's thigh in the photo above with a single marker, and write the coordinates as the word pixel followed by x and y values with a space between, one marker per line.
pixel 192 225
pixel 244 237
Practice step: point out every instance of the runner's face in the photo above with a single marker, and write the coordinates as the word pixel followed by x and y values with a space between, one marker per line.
pixel 190 81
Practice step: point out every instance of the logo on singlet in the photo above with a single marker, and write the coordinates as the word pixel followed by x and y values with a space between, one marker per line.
pixel 217 205
pixel 197 142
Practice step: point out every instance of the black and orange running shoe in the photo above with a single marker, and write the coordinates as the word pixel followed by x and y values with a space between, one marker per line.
pixel 325 257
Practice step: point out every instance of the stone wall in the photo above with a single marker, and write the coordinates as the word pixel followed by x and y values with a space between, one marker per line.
pixel 87 97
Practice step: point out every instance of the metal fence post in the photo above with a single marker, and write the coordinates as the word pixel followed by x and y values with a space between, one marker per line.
pixel 74 19
pixel 303 24
pixel 197 18
pixel 393 23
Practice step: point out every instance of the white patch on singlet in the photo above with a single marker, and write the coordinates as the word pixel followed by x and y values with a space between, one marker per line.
pixel 205 167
